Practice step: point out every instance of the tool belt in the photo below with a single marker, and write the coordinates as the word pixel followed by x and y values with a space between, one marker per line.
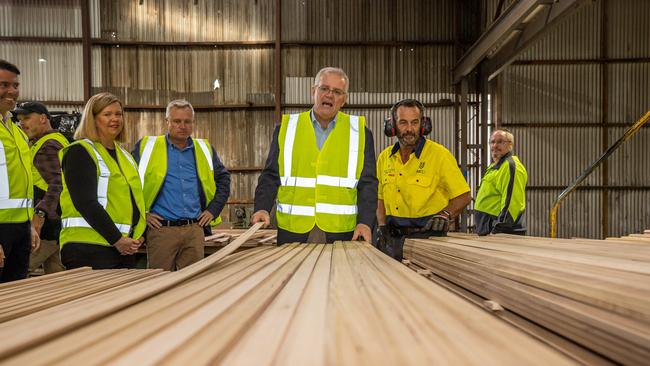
pixel 403 231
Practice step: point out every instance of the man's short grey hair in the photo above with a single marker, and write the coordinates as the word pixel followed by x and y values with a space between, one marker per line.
pixel 178 103
pixel 507 133
pixel 332 70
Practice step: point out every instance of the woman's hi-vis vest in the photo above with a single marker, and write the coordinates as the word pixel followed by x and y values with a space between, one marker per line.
pixel 115 184
pixel 16 183
pixel 153 171
pixel 319 187
pixel 58 136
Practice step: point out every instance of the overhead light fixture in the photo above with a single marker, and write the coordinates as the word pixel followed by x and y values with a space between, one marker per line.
pixel 42 60
pixel 216 84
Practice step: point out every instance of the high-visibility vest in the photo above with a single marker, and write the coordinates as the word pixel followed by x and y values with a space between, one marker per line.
pixel 319 187
pixel 153 171
pixel 16 182
pixel 39 181
pixel 115 184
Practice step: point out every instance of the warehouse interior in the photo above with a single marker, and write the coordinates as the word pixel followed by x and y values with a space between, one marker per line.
pixel 568 95
pixel 569 78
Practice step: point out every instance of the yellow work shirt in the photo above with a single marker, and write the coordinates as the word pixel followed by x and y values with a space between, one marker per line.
pixel 421 187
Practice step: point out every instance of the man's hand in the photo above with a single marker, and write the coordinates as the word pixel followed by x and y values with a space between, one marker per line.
pixel 362 231
pixel 261 216
pixel 2 257
pixel 205 218
pixel 37 223
pixel 382 237
pixel 438 222
pixel 36 240
pixel 127 246
pixel 153 221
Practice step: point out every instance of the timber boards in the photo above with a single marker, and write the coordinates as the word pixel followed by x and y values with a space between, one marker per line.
pixel 595 293
pixel 297 304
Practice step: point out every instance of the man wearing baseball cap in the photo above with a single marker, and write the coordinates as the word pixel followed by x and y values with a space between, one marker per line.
pixel 45 144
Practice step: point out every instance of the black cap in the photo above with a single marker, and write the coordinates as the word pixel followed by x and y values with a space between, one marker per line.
pixel 31 107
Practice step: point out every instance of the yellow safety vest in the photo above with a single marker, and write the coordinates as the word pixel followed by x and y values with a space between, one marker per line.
pixel 115 184
pixel 16 183
pixel 153 171
pixel 319 187
pixel 58 136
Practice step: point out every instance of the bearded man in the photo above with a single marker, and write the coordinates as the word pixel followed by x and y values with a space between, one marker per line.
pixel 421 187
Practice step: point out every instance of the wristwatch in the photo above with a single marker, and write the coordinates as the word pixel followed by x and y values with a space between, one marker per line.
pixel 40 213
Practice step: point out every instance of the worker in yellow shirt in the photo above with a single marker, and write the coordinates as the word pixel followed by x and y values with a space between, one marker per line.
pixel 421 187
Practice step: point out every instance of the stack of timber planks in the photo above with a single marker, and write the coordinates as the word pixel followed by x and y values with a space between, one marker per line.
pixel 298 304
pixel 588 298
pixel 221 237
pixel 636 238
pixel 27 296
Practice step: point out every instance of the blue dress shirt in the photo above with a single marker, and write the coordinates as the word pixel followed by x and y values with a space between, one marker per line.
pixel 321 134
pixel 179 198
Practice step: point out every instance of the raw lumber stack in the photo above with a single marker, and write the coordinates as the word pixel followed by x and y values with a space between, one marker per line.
pixel 315 304
pixel 27 296
pixel 635 238
pixel 595 293
pixel 221 237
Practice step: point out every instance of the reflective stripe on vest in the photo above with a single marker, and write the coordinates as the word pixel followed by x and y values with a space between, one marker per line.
pixel 6 203
pixel 348 182
pixel 4 175
pixel 327 208
pixel 206 152
pixel 153 172
pixel 318 186
pixel 146 157
pixel 19 207
pixel 102 193
pixel 81 222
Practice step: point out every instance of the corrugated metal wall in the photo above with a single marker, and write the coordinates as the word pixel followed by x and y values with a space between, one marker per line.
pixel 548 102
pixel 416 45
pixel 369 20
pixel 187 21
pixel 154 76
pixel 40 18
pixel 50 71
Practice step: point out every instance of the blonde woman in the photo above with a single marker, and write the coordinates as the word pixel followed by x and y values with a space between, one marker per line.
pixel 102 203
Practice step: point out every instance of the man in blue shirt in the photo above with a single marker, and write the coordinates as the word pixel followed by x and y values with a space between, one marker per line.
pixel 185 186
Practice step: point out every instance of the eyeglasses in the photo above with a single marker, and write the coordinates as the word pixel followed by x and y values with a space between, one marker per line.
pixel 337 92
pixel 499 142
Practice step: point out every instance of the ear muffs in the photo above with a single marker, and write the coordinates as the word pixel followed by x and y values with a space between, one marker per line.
pixel 426 126
pixel 390 124
pixel 390 130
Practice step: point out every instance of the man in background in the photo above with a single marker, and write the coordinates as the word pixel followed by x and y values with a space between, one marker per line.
pixel 45 145
pixel 501 199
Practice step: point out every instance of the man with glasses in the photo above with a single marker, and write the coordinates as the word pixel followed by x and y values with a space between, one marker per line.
pixel 501 199
pixel 321 169
pixel 421 187
pixel 185 188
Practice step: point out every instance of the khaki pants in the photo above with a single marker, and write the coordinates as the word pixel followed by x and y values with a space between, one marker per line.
pixel 174 247
pixel 48 255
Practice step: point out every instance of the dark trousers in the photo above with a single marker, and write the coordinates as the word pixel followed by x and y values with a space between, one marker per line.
pixel 285 237
pixel 16 240
pixel 75 255
pixel 393 242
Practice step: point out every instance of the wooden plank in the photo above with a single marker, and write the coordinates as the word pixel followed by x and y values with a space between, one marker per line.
pixel 603 306
pixel 37 327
